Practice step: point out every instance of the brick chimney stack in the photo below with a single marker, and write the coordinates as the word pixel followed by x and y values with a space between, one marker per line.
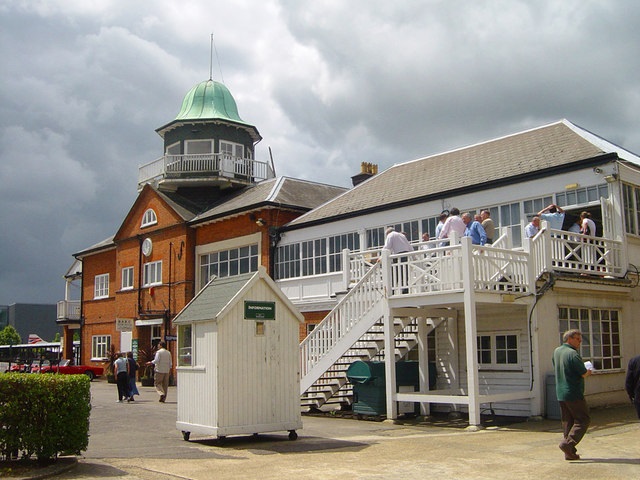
pixel 367 170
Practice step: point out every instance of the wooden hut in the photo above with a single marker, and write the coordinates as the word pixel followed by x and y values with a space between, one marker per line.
pixel 238 367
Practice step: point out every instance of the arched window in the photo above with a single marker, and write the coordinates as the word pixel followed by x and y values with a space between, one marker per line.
pixel 149 218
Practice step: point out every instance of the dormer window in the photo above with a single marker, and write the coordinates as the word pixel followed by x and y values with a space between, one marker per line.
pixel 149 218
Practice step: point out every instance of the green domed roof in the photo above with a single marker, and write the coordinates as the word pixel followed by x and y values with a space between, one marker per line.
pixel 209 100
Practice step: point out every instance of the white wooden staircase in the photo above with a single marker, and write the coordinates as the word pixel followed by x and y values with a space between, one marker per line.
pixel 352 331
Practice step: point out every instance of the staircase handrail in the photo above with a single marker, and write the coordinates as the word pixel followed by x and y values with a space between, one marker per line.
pixel 349 311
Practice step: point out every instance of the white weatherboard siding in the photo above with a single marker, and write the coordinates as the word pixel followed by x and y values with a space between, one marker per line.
pixel 257 374
pixel 451 360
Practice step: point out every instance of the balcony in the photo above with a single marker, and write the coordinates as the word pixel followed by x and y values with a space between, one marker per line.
pixel 172 171
pixel 68 311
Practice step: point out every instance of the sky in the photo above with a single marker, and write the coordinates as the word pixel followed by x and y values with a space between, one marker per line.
pixel 329 85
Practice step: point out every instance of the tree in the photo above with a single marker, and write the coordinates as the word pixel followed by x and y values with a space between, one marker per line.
pixel 9 335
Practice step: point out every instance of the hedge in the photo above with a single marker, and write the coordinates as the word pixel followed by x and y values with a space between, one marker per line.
pixel 43 415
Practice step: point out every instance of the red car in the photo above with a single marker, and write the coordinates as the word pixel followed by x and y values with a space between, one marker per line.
pixel 65 367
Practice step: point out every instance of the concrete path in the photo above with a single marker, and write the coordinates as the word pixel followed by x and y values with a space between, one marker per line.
pixel 139 440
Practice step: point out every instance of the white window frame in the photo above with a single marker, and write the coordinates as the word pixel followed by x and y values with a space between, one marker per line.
pixel 493 350
pixel 101 286
pixel 190 145
pixel 601 334
pixel 152 273
pixel 127 278
pixel 173 149
pixel 100 345
pixel 229 262
pixel 156 334
pixel 149 218
pixel 185 345
pixel 232 149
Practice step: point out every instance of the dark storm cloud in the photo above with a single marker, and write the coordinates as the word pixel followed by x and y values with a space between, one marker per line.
pixel 328 84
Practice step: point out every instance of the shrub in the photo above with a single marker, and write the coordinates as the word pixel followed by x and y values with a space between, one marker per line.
pixel 43 415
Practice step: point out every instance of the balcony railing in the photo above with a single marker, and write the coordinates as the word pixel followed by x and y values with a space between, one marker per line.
pixel 224 166
pixel 69 310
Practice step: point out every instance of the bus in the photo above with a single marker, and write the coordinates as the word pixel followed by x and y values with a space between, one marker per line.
pixel 23 357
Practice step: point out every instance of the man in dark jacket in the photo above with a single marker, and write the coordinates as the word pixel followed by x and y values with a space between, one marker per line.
pixel 632 382
pixel 570 372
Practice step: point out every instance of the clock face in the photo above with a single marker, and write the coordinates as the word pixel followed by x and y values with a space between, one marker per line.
pixel 147 247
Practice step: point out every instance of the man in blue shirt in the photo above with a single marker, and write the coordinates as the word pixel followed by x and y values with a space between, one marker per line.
pixel 554 215
pixel 474 230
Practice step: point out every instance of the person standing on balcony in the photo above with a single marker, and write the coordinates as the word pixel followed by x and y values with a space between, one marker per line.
pixel 396 243
pixel 453 224
pixel 162 362
pixel 587 226
pixel 570 372
pixel 474 229
pixel 632 382
pixel 532 229
pixel 488 225
pixel 554 215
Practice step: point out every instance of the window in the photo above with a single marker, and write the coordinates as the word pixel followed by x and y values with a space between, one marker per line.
pixel 231 149
pixel 375 237
pixel 185 354
pixel 152 273
pixel 198 147
pixel 582 196
pixel 156 335
pixel 101 285
pixel 314 257
pixel 600 329
pixel 339 243
pixel 173 149
pixel 127 278
pixel 228 263
pixel 288 261
pixel 631 201
pixel 100 345
pixel 498 350
pixel 510 218
pixel 149 218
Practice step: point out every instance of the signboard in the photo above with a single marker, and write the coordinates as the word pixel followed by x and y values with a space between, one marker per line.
pixel 134 347
pixel 124 324
pixel 170 338
pixel 259 310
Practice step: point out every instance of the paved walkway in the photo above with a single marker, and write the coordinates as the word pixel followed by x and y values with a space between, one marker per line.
pixel 139 441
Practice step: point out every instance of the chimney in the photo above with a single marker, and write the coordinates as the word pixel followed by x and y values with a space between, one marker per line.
pixel 367 170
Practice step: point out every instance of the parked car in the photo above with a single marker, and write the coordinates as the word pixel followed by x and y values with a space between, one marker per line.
pixel 65 367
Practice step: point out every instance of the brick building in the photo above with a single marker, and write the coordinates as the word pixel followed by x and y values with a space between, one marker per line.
pixel 205 208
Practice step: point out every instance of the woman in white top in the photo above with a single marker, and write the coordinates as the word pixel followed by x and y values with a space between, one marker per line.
pixel 588 227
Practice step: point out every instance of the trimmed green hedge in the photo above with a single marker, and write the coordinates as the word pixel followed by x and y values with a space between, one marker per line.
pixel 43 415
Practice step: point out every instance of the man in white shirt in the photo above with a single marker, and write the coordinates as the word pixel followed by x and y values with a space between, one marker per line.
pixel 397 242
pixel 162 362
pixel 453 224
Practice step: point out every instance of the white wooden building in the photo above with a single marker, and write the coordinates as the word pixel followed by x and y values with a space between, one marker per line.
pixel 490 317
pixel 238 368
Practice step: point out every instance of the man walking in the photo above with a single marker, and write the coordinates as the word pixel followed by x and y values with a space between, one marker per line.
pixel 162 362
pixel 632 382
pixel 120 369
pixel 570 372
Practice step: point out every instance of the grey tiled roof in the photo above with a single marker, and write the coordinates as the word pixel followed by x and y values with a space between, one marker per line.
pixel 524 153
pixel 212 299
pixel 279 192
